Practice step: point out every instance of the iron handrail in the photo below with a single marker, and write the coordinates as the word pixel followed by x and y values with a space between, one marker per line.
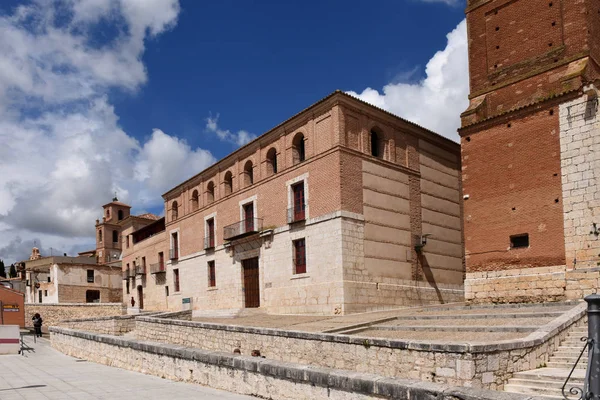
pixel 157 268
pixel 577 391
pixel 242 228
pixel 296 213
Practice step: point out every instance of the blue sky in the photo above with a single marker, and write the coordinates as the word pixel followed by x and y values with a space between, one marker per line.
pixel 130 96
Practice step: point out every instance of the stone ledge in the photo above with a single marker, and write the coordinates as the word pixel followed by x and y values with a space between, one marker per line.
pixel 538 337
pixel 346 381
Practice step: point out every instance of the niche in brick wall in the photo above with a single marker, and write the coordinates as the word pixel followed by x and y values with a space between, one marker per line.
pixel 521 30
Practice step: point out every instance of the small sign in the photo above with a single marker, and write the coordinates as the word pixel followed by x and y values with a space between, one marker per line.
pixel 11 308
pixel 186 300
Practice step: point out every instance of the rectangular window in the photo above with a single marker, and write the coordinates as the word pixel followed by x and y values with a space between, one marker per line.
pixel 176 280
pixel 212 278
pixel 90 276
pixel 45 293
pixel 127 241
pixel 299 256
pixel 127 285
pixel 167 291
pixel 299 205
pixel 144 264
pixel 249 217
pixel 49 280
pixel 175 246
pixel 519 241
pixel 161 261
pixel 210 233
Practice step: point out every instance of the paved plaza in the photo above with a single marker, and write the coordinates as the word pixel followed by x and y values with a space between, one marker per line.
pixel 44 373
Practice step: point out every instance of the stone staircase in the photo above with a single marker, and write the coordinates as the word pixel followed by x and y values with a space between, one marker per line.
pixel 548 381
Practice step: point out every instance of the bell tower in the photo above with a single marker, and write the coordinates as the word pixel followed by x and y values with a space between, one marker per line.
pixel 108 231
pixel 530 141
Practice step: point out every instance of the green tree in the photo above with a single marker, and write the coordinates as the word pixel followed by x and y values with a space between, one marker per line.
pixel 2 270
pixel 12 273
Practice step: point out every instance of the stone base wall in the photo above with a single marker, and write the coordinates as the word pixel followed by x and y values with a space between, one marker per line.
pixel 106 325
pixel 253 376
pixel 531 285
pixel 483 365
pixel 52 314
pixel 521 285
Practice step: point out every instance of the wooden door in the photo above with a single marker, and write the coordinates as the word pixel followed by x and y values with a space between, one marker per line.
pixel 251 284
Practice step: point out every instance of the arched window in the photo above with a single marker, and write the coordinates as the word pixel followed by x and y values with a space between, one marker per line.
pixel 228 183
pixel 248 173
pixel 108 214
pixel 376 144
pixel 120 214
pixel 100 236
pixel 210 192
pixel 298 150
pixel 195 200
pixel 271 161
pixel 115 236
pixel 174 213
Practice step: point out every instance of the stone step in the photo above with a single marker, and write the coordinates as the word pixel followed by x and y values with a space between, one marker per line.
pixel 551 374
pixel 568 360
pixel 565 365
pixel 450 328
pixel 561 352
pixel 549 314
pixel 550 393
pixel 540 382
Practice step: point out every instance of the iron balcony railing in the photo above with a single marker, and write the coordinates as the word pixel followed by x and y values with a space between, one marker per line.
pixel 131 272
pixel 173 254
pixel 157 268
pixel 140 270
pixel 209 242
pixel 242 228
pixel 296 213
pixel 125 275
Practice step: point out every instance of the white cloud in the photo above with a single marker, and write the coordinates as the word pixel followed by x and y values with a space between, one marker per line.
pixel 239 138
pixel 63 152
pixel 437 101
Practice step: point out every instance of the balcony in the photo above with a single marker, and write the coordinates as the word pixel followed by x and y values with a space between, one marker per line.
pixel 209 242
pixel 131 272
pixel 158 268
pixel 173 254
pixel 296 213
pixel 242 228
pixel 140 270
pixel 125 276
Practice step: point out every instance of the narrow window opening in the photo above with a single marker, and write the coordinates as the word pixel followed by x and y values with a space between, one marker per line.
pixel 195 202
pixel 299 256
pixel 212 279
pixel 375 144
pixel 228 183
pixel 167 291
pixel 272 161
pixel 176 280
pixel 248 173
pixel 210 192
pixel 90 276
pixel 519 241
pixel 174 212
pixel 120 215
pixel 115 236
pixel 298 148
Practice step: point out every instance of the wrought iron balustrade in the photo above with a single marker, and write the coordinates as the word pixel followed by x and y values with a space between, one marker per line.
pixel 173 254
pixel 157 268
pixel 242 228
pixel 131 272
pixel 296 213
pixel 125 275
pixel 209 242
pixel 140 270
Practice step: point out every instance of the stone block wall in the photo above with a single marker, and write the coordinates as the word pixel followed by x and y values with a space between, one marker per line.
pixel 580 159
pixel 52 314
pixel 482 365
pixel 106 325
pixel 258 377
pixel 519 285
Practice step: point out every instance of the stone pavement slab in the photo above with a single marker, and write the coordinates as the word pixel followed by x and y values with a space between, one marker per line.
pixel 44 373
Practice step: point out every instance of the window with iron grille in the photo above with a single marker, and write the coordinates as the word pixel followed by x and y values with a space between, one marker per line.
pixel 212 278
pixel 176 280
pixel 299 256
pixel 90 276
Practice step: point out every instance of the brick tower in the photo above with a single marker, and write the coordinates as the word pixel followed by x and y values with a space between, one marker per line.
pixel 108 232
pixel 531 150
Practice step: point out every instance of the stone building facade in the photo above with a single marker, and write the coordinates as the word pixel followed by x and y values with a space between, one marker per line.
pixel 530 150
pixel 57 280
pixel 325 214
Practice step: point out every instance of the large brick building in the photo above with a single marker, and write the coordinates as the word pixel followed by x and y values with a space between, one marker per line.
pixel 325 213
pixel 530 144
